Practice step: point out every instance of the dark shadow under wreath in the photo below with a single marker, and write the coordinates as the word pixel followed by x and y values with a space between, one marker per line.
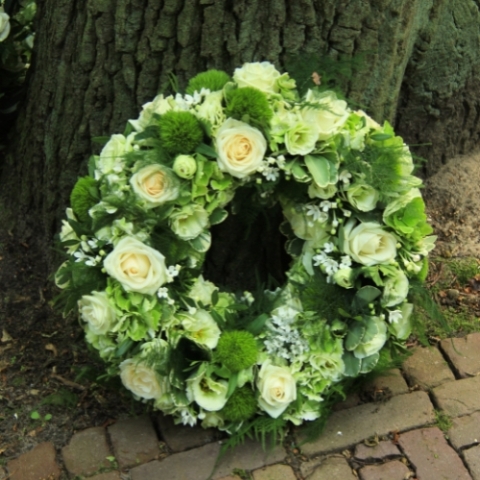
pixel 138 231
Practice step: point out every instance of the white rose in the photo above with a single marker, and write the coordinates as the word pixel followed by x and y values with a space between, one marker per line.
pixel 300 139
pixel 202 291
pixel 201 328
pixel 363 197
pixel 344 277
pixel 155 185
pixel 141 380
pixel 368 243
pixel 304 226
pixel 4 24
pixel 262 76
pixel 138 267
pixel 111 158
pixel 95 309
pixel 277 389
pixel 329 117
pixel 376 343
pixel 240 148
pixel 158 105
pixel 395 290
pixel 189 222
pixel 208 393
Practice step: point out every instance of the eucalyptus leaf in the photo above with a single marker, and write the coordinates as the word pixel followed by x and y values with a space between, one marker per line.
pixel 355 335
pixel 123 347
pixel 369 363
pixel 370 331
pixel 352 364
pixel 218 216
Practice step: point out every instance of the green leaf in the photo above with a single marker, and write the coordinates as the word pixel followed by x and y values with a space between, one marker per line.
pixel 365 295
pixel 102 140
pixel 379 137
pixel 258 324
pixel 355 336
pixel 299 173
pixel 35 416
pixel 370 331
pixel 218 216
pixel 369 363
pixel 202 242
pixel 352 364
pixel 206 150
pixel 319 167
pixel 294 247
pixel 123 347
pixel 232 384
pixel 221 184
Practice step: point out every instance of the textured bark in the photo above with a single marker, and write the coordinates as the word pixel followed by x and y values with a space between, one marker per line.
pixel 98 61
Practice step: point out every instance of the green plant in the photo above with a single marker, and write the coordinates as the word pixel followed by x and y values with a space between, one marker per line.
pixel 37 416
pixel 443 421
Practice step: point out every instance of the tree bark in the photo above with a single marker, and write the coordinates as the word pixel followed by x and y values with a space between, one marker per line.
pixel 97 61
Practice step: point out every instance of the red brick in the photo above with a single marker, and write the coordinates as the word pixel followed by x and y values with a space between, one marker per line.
pixel 37 464
pixel 395 470
pixel 87 451
pixel 464 354
pixel 134 441
pixel 431 455
pixel 274 472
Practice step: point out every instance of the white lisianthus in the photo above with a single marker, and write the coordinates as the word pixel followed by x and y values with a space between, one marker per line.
pixel 208 393
pixel 240 148
pixel 315 191
pixel 201 328
pixel 211 109
pixel 260 75
pixel 377 341
pixel 344 277
pixel 395 290
pixel 105 345
pixel 4 24
pixel 399 321
pixel 142 380
pixel 155 185
pixel 363 197
pixel 202 290
pixel 67 233
pixel 304 226
pixel 300 138
pixel 185 166
pixel 159 105
pixel 97 312
pixel 368 244
pixel 277 388
pixel 138 267
pixel 111 159
pixel 329 118
pixel 189 222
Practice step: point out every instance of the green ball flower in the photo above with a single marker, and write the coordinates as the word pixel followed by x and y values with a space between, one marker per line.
pixel 180 132
pixel 213 80
pixel 249 102
pixel 240 406
pixel 237 350
pixel 82 198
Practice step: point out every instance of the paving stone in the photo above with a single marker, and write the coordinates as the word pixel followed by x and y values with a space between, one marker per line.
pixel 248 456
pixel 87 451
pixel 134 441
pixel 3 474
pixel 36 464
pixel 381 450
pixel 392 379
pixel 395 470
pixel 464 354
pixel 231 477
pixel 274 472
pixel 352 400
pixel 195 464
pixel 465 431
pixel 181 437
pixel 431 456
pixel 349 427
pixel 427 368
pixel 332 468
pixel 472 459
pixel 458 398
pixel 114 475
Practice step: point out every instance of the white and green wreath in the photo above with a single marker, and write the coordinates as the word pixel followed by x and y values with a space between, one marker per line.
pixel 138 231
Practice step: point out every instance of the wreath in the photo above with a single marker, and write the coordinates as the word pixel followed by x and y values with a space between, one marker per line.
pixel 138 232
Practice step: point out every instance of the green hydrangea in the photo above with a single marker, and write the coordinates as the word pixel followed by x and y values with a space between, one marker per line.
pixel 180 132
pixel 251 103
pixel 83 197
pixel 237 350
pixel 240 406
pixel 213 80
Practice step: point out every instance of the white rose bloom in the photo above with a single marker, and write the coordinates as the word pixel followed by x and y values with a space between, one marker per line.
pixel 138 267
pixel 344 277
pixel 158 105
pixel 97 312
pixel 368 243
pixel 376 343
pixel 260 75
pixel 277 388
pixel 201 328
pixel 300 139
pixel 328 119
pixel 208 393
pixel 395 290
pixel 240 148
pixel 111 157
pixel 202 291
pixel 189 222
pixel 141 380
pixel 363 197
pixel 4 24
pixel 155 185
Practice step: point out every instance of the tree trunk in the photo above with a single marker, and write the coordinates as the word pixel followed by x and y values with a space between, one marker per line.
pixel 97 61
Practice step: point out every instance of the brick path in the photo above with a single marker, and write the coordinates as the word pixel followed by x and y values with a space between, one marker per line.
pixel 394 439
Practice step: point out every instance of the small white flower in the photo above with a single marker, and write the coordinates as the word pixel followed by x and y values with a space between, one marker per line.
pixel 347 213
pixel 173 272
pixel 316 214
pixel 162 292
pixel 329 247
pixel 331 266
pixel 394 316
pixel 319 259
pixel 346 261
pixel 271 173
pixel 345 176
pixel 326 205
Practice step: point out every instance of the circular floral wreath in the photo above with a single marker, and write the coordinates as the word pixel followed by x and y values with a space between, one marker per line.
pixel 138 231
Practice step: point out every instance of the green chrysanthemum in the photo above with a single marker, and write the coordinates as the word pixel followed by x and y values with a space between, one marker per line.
pixel 83 197
pixel 180 132
pixel 237 350
pixel 249 102
pixel 240 406
pixel 213 80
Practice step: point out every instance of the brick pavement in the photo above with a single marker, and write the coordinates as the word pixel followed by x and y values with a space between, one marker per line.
pixel 393 439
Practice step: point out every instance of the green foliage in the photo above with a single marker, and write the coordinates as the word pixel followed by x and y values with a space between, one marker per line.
pixel 180 132
pixel 237 350
pixel 250 105
pixel 241 406
pixel 83 197
pixel 443 421
pixel 61 398
pixel 212 79
pixel 464 269
pixel 411 220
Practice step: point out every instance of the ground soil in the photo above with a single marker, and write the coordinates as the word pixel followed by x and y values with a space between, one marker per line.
pixel 48 373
